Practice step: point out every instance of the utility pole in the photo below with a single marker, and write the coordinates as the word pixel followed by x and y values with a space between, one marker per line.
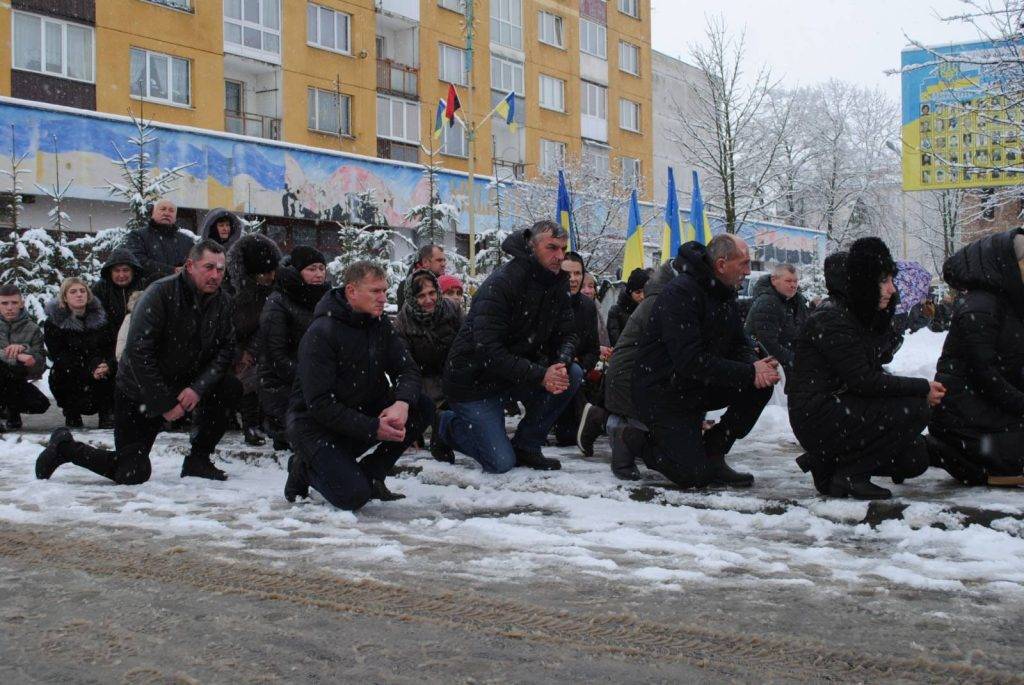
pixel 471 134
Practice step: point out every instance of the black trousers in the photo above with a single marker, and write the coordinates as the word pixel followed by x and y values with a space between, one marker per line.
pixel 17 394
pixel 79 393
pixel 972 456
pixel 567 425
pixel 332 464
pixel 685 455
pixel 134 433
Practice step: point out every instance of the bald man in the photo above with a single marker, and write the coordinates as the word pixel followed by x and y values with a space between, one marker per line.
pixel 160 247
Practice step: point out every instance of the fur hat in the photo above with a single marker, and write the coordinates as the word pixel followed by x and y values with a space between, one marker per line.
pixel 258 256
pixel 868 263
pixel 637 280
pixel 303 255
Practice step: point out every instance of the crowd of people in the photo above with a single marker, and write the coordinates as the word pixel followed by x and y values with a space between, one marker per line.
pixel 178 332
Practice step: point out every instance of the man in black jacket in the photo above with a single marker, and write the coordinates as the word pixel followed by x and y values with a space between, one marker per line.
pixel 517 343
pixel 584 313
pixel 356 386
pixel 777 312
pixel 161 247
pixel 693 357
pixel 180 347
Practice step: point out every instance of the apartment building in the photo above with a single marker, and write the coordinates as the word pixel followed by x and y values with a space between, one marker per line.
pixel 356 76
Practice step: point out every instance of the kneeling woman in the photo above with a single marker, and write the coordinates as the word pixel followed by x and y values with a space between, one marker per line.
pixel 853 418
pixel 79 342
pixel 980 424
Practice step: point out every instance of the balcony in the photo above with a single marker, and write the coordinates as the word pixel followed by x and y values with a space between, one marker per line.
pixel 256 125
pixel 397 79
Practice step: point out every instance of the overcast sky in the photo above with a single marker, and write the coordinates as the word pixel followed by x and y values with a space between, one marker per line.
pixel 809 41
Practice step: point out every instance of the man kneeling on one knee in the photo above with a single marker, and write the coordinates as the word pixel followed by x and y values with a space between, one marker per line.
pixel 517 343
pixel 356 386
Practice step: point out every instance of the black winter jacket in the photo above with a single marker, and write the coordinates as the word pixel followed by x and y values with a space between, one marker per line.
pixel 77 346
pixel 177 338
pixel 584 313
pixel 982 362
pixel 248 295
pixel 114 297
pixel 773 321
pixel 619 314
pixel 429 337
pixel 351 366
pixel 159 249
pixel 520 322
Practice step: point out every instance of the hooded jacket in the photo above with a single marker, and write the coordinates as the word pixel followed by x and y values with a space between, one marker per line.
pixel 114 297
pixel 249 296
pixel 694 340
pixel 158 248
pixel 773 321
pixel 619 314
pixel 209 232
pixel 23 331
pixel 350 367
pixel 584 313
pixel 77 345
pixel 428 336
pixel 520 322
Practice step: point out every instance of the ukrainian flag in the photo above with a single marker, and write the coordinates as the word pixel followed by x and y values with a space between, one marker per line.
pixel 439 119
pixel 506 109
pixel 633 257
pixel 698 219
pixel 564 211
pixel 671 235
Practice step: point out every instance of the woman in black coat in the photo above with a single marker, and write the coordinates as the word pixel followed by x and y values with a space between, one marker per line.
pixel 77 338
pixel 854 419
pixel 301 283
pixel 980 424
pixel 428 323
pixel 631 296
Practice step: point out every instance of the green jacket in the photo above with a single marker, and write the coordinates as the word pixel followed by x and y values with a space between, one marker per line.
pixel 24 331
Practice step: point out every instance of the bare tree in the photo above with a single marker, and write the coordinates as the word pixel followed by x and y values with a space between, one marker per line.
pixel 789 116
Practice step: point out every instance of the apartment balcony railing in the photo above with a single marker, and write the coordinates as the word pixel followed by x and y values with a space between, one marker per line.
pixel 397 79
pixel 256 125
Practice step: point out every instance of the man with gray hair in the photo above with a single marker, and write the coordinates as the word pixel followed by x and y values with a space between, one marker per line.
pixel 692 358
pixel 160 247
pixel 777 312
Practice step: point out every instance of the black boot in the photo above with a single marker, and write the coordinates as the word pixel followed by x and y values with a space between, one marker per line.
pixel 106 420
pixel 536 461
pixel 591 427
pixel 380 491
pixel 821 476
pixel 296 485
pixel 439 449
pixel 630 472
pixel 53 455
pixel 72 419
pixel 13 420
pixel 627 444
pixel 723 474
pixel 857 487
pixel 201 467
pixel 253 436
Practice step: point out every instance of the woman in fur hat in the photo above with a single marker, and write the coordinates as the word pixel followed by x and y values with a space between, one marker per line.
pixel 855 419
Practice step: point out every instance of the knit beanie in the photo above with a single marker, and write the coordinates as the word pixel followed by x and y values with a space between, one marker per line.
pixel 447 282
pixel 303 255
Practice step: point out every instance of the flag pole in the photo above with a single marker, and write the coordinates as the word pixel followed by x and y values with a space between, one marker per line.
pixel 471 137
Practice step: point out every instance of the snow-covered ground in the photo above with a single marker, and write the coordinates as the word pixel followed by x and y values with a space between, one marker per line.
pixel 461 523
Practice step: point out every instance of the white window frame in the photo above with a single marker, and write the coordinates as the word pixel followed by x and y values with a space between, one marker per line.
pixel 507 15
pixel 453 5
pixel 447 137
pixel 242 23
pixel 592 154
pixel 316 13
pixel 148 55
pixel 626 106
pixel 559 86
pixel 442 74
pixel 316 126
pixel 593 100
pixel 511 67
pixel 552 155
pixel 64 26
pixel 625 49
pixel 635 165
pixel 592 32
pixel 555 25
pixel 631 8
pixel 389 103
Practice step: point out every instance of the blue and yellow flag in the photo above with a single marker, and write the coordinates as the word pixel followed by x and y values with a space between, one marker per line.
pixel 671 235
pixel 506 109
pixel 633 257
pixel 439 119
pixel 564 211
pixel 698 220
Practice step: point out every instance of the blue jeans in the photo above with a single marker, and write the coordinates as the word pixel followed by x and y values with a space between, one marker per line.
pixel 477 428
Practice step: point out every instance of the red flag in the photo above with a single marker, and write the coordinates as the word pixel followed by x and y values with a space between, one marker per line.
pixel 453 105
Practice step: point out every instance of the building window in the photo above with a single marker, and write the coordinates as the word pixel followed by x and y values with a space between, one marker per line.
pixel 593 39
pixel 328 29
pixel 630 172
pixel 49 46
pixel 506 75
pixel 329 112
pixel 552 156
pixel 595 159
pixel 507 23
pixel 552 93
pixel 452 65
pixel 453 5
pixel 549 29
pixel 389 149
pixel 629 58
pixel 453 141
pixel 160 78
pixel 398 119
pixel 630 7
pixel 593 100
pixel 254 26
pixel 629 115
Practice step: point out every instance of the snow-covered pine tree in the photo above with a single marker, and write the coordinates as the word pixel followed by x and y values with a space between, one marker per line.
pixel 432 220
pixel 812 281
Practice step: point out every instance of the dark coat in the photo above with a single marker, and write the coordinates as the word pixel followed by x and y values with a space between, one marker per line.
pixel 694 340
pixel 207 232
pixel 177 338
pixel 159 249
pixel 285 318
pixel 584 313
pixel 520 322
pixel 23 331
pixel 619 314
pixel 429 337
pixel 773 321
pixel 77 346
pixel 982 362
pixel 351 367
pixel 618 380
pixel 114 297
pixel 248 295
